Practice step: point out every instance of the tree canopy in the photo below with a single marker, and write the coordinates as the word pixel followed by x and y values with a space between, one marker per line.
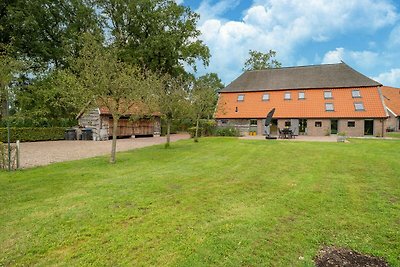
pixel 157 34
pixel 258 61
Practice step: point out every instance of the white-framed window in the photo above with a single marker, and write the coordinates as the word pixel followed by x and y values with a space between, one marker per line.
pixel 351 124
pixel 359 106
pixel 318 124
pixel 265 97
pixel 329 107
pixel 253 122
pixel 302 95
pixel 328 94
pixel 240 98
pixel 355 93
pixel 288 96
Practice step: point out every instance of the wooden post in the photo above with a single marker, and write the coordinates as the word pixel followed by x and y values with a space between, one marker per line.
pixel 18 154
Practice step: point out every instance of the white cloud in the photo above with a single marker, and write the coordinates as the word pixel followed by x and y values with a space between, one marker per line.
pixel 394 37
pixel 284 25
pixel 208 11
pixel 390 78
pixel 179 2
pixel 363 59
pixel 334 56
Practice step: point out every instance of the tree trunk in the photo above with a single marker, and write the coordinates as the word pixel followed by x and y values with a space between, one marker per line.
pixel 168 134
pixel 196 134
pixel 114 140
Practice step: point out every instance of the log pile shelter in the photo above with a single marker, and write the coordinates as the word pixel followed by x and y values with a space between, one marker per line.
pixel 100 121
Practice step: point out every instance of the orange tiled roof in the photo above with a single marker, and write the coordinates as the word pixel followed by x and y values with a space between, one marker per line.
pixel 313 106
pixel 391 97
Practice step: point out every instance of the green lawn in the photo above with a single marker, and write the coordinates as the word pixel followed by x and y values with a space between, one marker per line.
pixel 393 134
pixel 221 202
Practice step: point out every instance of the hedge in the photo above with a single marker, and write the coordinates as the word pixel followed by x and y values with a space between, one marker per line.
pixel 32 134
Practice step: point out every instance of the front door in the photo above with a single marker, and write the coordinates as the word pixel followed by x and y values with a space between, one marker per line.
pixel 368 127
pixel 334 126
pixel 302 126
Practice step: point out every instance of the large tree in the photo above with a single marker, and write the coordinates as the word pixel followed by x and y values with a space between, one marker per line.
pixel 203 98
pixel 173 100
pixel 100 78
pixel 157 34
pixel 46 32
pixel 259 60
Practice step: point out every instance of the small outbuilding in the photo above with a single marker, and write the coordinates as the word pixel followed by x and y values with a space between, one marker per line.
pixel 391 97
pixel 100 121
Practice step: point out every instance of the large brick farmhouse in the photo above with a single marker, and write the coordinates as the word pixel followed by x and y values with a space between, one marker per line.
pixel 312 100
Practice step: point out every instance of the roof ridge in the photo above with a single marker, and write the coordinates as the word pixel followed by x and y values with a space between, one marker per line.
pixel 301 66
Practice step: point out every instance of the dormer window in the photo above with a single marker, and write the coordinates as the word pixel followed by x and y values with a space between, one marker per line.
pixel 265 97
pixel 328 94
pixel 302 95
pixel 288 96
pixel 329 107
pixel 355 93
pixel 240 98
pixel 359 106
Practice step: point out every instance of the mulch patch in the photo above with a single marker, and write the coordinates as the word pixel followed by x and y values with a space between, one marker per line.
pixel 342 257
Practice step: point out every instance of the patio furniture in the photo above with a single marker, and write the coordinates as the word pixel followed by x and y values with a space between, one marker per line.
pixel 281 135
pixel 287 133
pixel 294 132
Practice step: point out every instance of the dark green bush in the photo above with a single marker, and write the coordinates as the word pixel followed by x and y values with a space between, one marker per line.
pixel 32 134
pixel 42 122
pixel 206 128
pixel 227 131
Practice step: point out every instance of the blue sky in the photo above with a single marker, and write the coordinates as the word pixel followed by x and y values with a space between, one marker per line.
pixel 363 33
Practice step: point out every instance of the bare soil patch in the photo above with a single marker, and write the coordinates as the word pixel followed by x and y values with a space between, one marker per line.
pixel 335 257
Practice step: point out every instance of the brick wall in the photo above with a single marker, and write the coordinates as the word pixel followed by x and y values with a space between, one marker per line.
pixel 392 122
pixel 378 123
pixel 357 130
pixel 318 131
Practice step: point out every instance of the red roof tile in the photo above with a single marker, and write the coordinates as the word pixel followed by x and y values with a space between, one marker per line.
pixel 391 97
pixel 313 106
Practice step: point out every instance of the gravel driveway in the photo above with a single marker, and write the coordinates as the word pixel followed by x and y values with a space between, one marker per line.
pixel 44 153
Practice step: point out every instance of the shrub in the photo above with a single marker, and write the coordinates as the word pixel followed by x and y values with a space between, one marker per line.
pixel 4 156
pixel 207 127
pixel 227 131
pixel 32 134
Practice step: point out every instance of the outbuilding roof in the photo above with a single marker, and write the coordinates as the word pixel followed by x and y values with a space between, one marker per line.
pixel 391 97
pixel 305 77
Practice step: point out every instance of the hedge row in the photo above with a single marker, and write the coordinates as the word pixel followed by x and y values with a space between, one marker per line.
pixel 32 134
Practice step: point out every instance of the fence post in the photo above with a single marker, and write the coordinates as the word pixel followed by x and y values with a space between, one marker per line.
pixel 18 155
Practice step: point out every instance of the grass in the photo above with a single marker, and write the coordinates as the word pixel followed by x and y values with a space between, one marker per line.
pixel 222 202
pixel 393 134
